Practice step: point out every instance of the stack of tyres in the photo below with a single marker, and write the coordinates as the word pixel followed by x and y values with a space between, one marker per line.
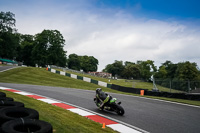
pixel 15 118
pixel 6 99
pixel 5 104
pixel 11 113
pixel 2 94
pixel 26 126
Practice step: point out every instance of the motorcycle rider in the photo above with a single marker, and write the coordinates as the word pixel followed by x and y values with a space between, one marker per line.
pixel 102 98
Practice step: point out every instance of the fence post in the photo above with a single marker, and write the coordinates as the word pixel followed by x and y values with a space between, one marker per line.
pixel 170 85
pixel 188 86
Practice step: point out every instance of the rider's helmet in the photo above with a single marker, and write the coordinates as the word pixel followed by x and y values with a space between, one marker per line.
pixel 98 90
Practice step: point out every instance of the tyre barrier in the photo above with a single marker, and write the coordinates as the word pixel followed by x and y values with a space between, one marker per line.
pixel 6 99
pixel 14 118
pixel 2 94
pixel 26 126
pixel 4 104
pixel 11 113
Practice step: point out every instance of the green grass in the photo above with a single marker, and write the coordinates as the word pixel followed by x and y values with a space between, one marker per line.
pixel 63 121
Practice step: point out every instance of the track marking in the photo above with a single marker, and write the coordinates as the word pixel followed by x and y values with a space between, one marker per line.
pixel 8 69
pixel 81 112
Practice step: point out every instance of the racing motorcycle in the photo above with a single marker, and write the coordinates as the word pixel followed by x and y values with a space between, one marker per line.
pixel 112 106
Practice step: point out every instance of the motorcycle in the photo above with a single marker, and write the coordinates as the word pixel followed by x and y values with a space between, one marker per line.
pixel 113 106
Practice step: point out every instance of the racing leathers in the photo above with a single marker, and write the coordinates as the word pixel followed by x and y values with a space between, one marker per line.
pixel 102 99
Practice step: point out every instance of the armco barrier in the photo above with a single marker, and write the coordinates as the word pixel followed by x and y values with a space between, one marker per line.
pixel 94 81
pixel 79 77
pixel 186 96
pixel 127 89
pixel 158 94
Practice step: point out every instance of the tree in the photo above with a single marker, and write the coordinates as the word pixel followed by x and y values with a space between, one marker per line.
pixel 162 73
pixel 7 22
pixel 48 48
pixel 88 63
pixel 9 43
pixel 129 63
pixel 9 39
pixel 147 68
pixel 26 47
pixel 116 68
pixel 187 71
pixel 170 68
pixel 74 62
pixel 131 71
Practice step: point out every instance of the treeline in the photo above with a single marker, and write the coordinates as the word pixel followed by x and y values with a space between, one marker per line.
pixel 45 48
pixel 85 63
pixel 145 69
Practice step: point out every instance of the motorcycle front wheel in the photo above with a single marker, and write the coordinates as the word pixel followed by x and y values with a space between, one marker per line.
pixel 119 110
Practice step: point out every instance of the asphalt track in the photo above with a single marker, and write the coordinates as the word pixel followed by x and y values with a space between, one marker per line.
pixel 151 115
pixel 5 68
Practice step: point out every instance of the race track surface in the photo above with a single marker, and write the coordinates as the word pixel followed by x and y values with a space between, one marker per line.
pixel 5 68
pixel 151 115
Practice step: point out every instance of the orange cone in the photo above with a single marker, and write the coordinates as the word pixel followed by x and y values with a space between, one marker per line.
pixel 104 125
pixel 142 92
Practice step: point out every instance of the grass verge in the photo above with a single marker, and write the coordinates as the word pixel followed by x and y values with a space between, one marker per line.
pixel 63 121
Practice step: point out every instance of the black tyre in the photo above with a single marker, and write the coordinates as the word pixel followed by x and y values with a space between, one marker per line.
pixel 4 104
pixel 26 126
pixel 119 109
pixel 6 99
pixel 2 94
pixel 11 113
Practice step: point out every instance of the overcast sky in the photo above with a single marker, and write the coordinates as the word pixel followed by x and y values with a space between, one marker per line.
pixel 109 30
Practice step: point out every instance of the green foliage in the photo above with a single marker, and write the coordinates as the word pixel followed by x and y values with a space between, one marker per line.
pixel 162 72
pixel 131 71
pixel 86 63
pixel 48 48
pixel 170 68
pixel 143 69
pixel 187 71
pixel 116 68
pixel 7 22
pixel 26 47
pixel 9 41
pixel 147 69
pixel 74 62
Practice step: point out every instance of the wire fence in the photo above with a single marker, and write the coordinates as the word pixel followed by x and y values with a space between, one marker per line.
pixel 177 86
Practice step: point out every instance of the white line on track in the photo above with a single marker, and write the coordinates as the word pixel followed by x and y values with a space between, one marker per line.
pixel 8 69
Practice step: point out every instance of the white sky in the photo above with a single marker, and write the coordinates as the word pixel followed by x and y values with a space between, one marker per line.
pixel 111 34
